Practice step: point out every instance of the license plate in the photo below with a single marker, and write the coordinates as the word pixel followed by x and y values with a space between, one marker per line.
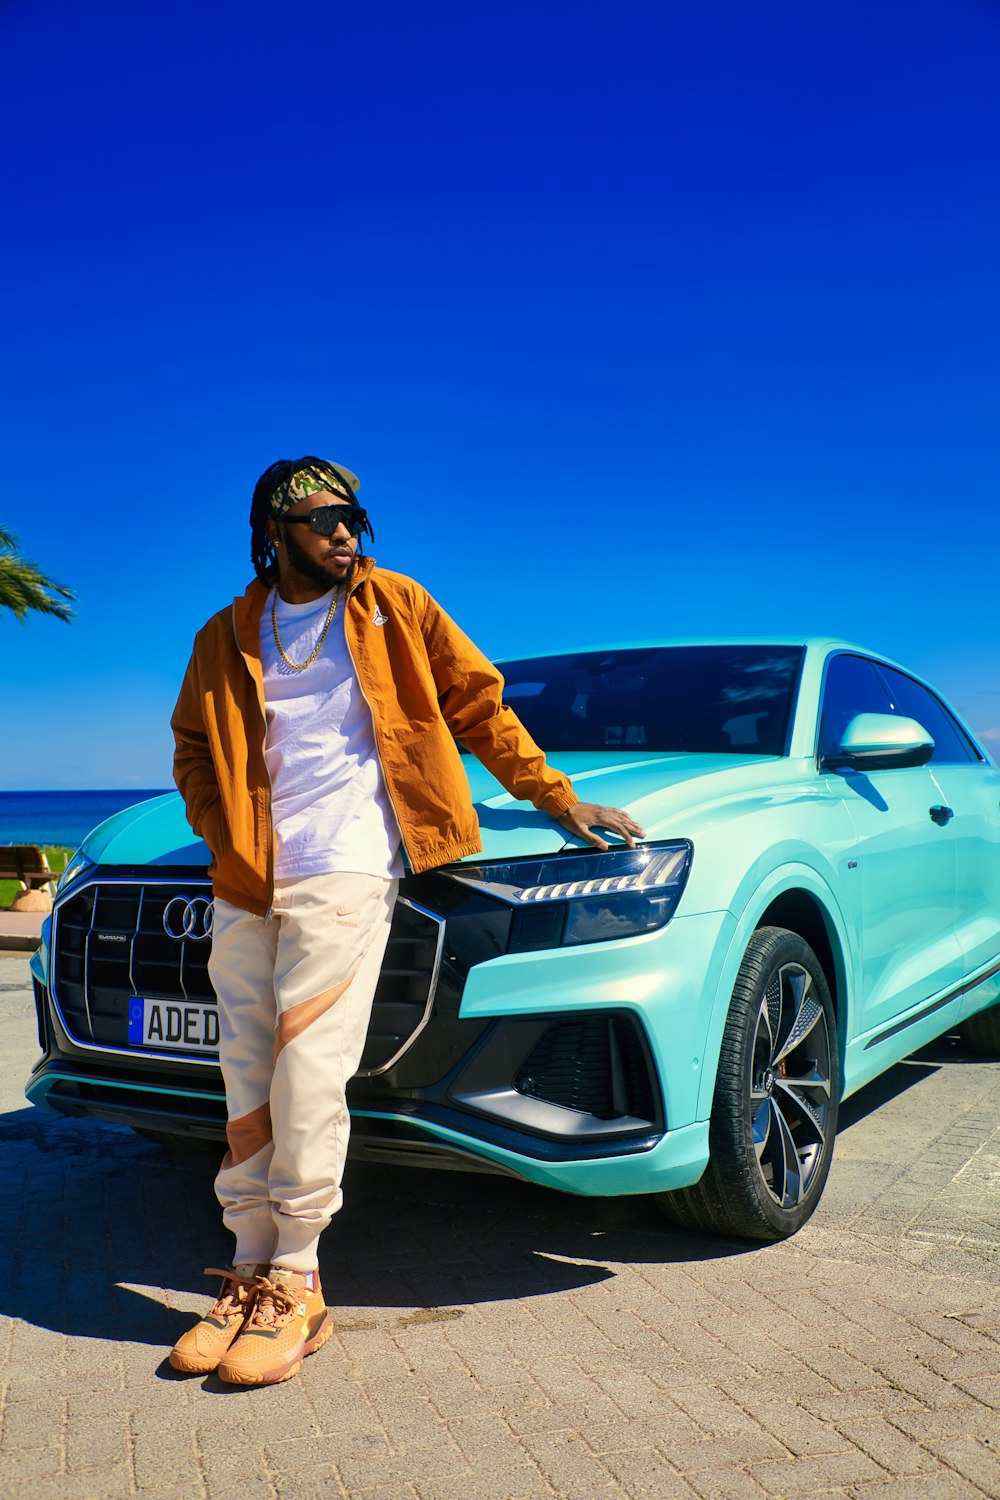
pixel 182 1024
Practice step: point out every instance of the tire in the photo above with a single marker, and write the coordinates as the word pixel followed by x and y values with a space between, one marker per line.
pixel 774 1113
pixel 981 1032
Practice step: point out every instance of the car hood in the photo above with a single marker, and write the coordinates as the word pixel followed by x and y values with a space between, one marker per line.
pixel 652 787
pixel 154 832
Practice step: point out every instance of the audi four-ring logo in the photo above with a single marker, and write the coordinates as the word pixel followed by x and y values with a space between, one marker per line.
pixel 188 917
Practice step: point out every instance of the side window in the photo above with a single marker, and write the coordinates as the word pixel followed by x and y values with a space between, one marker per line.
pixel 915 702
pixel 851 687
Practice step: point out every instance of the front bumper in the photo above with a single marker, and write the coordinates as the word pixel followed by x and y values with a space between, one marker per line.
pixel 576 1068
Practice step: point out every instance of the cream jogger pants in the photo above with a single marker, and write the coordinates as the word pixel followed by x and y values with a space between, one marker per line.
pixel 295 996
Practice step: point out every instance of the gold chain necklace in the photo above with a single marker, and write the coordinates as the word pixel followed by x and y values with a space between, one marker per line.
pixel 301 666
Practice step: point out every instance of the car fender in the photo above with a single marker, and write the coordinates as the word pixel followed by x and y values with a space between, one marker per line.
pixel 797 876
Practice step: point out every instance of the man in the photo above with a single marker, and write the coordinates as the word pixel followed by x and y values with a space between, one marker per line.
pixel 315 734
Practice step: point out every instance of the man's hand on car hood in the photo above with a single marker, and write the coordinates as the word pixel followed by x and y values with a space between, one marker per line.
pixel 581 819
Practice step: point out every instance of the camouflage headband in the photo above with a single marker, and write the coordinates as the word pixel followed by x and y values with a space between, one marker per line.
pixel 307 481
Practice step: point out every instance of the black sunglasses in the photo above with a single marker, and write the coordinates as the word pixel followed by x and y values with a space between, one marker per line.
pixel 325 519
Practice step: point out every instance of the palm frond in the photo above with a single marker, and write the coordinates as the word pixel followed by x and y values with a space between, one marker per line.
pixel 24 587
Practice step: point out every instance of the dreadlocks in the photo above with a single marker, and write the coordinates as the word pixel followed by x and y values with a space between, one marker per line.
pixel 266 505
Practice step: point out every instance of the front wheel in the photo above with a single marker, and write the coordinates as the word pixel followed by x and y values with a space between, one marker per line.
pixel 774 1113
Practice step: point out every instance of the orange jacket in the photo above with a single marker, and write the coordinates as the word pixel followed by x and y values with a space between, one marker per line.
pixel 426 684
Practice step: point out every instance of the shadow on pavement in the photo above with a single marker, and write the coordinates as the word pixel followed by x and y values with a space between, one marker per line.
pixel 944 1051
pixel 889 1085
pixel 100 1219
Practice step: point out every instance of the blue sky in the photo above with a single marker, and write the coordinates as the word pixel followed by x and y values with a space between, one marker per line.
pixel 636 320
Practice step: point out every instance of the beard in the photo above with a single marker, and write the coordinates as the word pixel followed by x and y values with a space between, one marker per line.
pixel 304 565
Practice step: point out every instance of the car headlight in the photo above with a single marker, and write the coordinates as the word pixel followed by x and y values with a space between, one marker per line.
pixel 75 867
pixel 586 898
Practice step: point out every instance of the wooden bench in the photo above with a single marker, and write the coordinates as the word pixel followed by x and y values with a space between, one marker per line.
pixel 28 865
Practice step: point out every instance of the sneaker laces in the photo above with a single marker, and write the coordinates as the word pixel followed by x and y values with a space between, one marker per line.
pixel 275 1303
pixel 233 1293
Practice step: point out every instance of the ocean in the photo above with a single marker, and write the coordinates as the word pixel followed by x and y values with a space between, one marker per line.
pixel 62 817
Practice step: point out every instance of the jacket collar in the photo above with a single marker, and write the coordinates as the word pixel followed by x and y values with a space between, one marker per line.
pixel 249 607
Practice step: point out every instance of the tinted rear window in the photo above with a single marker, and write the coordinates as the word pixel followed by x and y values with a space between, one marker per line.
pixel 716 699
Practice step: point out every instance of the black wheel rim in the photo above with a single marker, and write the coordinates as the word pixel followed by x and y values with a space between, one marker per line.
pixel 790 1086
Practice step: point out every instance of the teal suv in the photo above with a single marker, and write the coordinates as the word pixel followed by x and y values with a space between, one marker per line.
pixel 817 896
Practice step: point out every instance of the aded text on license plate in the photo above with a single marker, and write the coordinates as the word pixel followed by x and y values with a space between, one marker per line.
pixel 173 1023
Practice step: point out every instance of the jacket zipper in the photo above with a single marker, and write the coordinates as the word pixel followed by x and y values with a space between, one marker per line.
pixel 378 748
pixel 270 789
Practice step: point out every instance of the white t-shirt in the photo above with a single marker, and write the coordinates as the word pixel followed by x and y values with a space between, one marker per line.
pixel 329 802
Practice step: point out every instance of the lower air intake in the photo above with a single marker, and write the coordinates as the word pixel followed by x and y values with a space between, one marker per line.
pixel 595 1064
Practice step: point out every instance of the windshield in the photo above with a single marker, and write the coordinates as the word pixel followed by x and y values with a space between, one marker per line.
pixel 717 699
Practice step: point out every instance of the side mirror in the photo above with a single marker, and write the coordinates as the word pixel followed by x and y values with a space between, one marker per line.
pixel 880 742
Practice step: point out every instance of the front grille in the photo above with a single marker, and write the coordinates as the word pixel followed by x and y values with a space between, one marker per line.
pixel 594 1064
pixel 110 945
pixel 406 985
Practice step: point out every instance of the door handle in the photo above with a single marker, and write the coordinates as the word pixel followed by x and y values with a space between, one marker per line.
pixel 942 815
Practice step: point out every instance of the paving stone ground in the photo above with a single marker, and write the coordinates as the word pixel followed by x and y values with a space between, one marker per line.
pixel 500 1342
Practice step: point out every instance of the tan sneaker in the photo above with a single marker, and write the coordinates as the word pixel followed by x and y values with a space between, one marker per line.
pixel 199 1350
pixel 288 1320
